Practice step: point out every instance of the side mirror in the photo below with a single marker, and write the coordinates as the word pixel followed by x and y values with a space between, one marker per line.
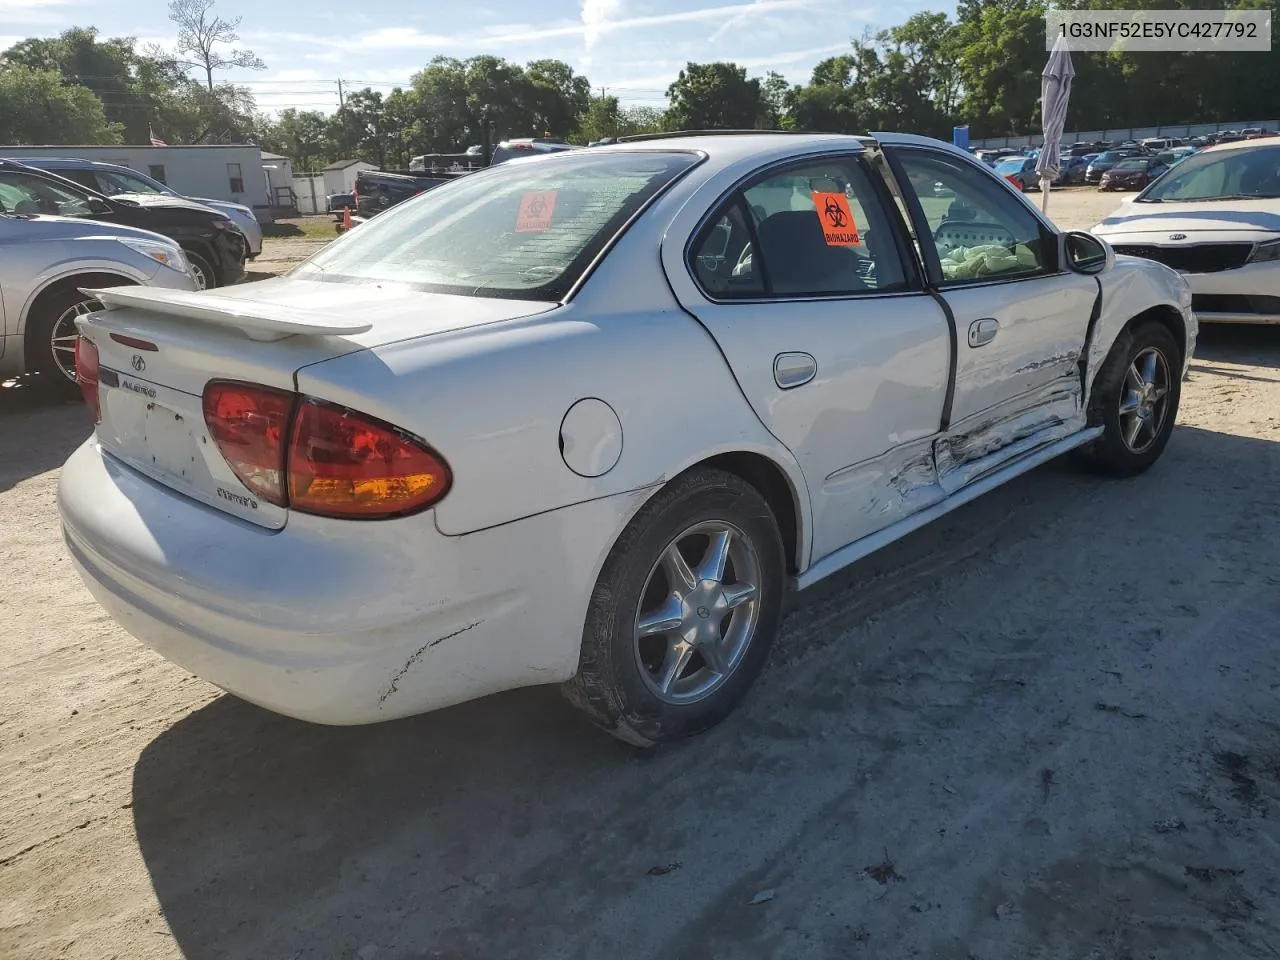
pixel 1085 253
pixel 98 205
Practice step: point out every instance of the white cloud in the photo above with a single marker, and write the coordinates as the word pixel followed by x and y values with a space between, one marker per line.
pixel 409 38
pixel 32 11
pixel 596 16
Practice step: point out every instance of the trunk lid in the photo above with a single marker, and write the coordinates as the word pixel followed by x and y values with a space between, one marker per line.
pixel 157 349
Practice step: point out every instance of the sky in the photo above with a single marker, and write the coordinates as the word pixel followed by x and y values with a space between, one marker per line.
pixel 631 48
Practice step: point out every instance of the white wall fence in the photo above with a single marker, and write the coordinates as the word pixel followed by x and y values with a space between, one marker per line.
pixel 1130 133
pixel 309 193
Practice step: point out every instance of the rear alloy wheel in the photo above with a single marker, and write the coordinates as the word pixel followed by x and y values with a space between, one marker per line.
pixel 684 612
pixel 54 332
pixel 1135 400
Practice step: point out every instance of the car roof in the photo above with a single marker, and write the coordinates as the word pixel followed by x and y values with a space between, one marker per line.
pixel 1242 145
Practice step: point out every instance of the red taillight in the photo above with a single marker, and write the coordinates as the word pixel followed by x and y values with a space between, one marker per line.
pixel 320 458
pixel 344 464
pixel 249 424
pixel 87 375
pixel 1014 180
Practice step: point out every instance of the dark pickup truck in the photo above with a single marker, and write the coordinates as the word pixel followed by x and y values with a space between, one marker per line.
pixel 379 190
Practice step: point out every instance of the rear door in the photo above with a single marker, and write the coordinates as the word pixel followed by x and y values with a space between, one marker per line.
pixel 814 300
pixel 1020 319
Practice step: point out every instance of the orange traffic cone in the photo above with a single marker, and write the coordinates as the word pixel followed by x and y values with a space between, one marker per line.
pixel 346 219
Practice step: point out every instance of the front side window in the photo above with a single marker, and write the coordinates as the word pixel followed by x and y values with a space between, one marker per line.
pixel 978 229
pixel 526 230
pixel 28 195
pixel 810 234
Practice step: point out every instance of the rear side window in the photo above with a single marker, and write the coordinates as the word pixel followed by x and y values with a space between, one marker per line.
pixel 525 230
pixel 812 230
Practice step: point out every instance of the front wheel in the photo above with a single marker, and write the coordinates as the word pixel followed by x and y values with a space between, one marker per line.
pixel 684 612
pixel 54 331
pixel 1135 400
pixel 205 277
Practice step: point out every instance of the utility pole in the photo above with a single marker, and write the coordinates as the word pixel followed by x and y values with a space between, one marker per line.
pixel 342 100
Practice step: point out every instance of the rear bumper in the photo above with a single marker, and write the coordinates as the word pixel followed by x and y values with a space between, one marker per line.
pixel 336 622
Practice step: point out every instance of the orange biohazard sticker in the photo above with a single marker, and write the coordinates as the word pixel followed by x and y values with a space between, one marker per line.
pixel 838 228
pixel 535 212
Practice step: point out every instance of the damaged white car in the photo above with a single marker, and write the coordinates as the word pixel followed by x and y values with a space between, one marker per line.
pixel 1215 218
pixel 586 418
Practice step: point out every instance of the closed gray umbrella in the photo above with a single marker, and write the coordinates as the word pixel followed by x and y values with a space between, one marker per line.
pixel 1055 91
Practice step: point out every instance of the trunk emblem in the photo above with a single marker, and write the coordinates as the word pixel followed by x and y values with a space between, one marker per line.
pixel 138 363
pixel 1177 236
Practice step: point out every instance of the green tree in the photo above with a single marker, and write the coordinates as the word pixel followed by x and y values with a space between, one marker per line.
pixel 715 96
pixel 556 98
pixel 301 136
pixel 36 107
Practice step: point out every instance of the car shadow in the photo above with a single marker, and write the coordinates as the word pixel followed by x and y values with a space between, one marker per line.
pixel 440 835
pixel 1255 344
pixel 39 428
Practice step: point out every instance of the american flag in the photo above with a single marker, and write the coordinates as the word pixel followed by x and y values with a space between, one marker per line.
pixel 155 141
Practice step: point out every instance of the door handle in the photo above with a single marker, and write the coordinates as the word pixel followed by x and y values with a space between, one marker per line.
pixel 794 369
pixel 982 332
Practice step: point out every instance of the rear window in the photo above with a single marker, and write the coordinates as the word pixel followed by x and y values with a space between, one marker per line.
pixel 525 230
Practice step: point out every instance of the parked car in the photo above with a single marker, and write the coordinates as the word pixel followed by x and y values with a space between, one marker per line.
pixel 526 147
pixel 1104 162
pixel 113 180
pixel 337 202
pixel 1135 173
pixel 1019 171
pixel 44 263
pixel 212 244
pixel 447 421
pixel 1215 218
pixel 1070 171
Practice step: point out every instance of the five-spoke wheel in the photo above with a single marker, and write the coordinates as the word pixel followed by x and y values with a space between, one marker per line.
pixel 684 611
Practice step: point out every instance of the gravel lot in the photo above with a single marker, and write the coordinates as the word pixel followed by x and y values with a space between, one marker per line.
pixel 1043 728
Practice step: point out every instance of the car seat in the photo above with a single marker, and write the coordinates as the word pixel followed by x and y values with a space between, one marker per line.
pixel 798 258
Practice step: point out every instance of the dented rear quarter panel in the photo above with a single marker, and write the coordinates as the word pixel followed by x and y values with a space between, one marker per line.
pixel 1131 287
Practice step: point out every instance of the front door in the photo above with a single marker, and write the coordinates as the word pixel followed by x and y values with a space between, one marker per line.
pixel 1020 319
pixel 802 282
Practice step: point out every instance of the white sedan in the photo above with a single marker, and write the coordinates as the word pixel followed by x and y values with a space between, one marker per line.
pixel 1215 217
pixel 586 418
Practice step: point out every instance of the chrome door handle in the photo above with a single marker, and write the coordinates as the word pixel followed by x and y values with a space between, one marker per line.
pixel 982 332
pixel 794 369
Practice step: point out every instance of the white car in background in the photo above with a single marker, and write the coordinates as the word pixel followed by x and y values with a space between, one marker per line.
pixel 1215 218
pixel 587 418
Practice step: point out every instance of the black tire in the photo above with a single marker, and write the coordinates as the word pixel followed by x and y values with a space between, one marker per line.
pixel 201 265
pixel 1111 453
pixel 613 685
pixel 50 317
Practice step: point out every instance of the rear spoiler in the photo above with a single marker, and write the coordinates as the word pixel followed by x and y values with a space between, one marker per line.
pixel 257 321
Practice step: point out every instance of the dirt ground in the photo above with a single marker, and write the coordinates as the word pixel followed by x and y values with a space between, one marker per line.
pixel 1044 727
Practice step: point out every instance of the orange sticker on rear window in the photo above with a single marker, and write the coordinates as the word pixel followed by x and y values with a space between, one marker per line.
pixel 838 228
pixel 535 212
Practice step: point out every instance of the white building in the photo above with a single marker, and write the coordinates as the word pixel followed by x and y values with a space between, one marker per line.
pixel 340 176
pixel 279 173
pixel 234 172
